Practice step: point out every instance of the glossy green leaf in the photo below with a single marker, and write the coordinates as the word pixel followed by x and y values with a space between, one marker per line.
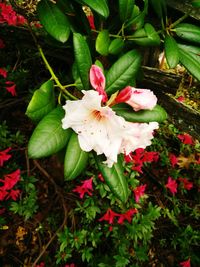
pixel 42 102
pixel 102 42
pixel 122 71
pixel 171 51
pixel 125 9
pixel 156 114
pixel 114 178
pixel 54 20
pixel 48 137
pixel 191 62
pixel 152 34
pixel 116 46
pixel 99 6
pixel 188 32
pixel 75 158
pixel 190 48
pixel 196 3
pixel 83 58
pixel 137 19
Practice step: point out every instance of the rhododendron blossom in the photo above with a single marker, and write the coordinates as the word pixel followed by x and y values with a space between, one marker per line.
pixel 86 187
pixel 101 130
pixel 109 216
pixel 139 192
pixel 137 98
pixel 171 185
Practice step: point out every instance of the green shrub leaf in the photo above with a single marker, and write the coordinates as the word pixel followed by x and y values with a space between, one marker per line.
pixel 115 178
pixel 171 51
pixel 42 102
pixel 83 58
pixel 102 42
pixel 75 158
pixel 54 20
pixel 188 32
pixel 48 137
pixel 156 114
pixel 116 46
pixel 122 71
pixel 125 9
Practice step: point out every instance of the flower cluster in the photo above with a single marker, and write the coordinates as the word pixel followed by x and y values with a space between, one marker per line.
pixel 172 184
pixel 9 85
pixel 86 187
pixel 100 129
pixel 9 180
pixel 139 157
pixel 9 16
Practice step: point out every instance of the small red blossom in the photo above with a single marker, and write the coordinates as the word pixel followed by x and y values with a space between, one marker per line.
pixel 14 194
pixel 42 264
pixel 86 187
pixel 4 156
pixel 109 216
pixel 139 192
pixel 171 185
pixel 10 180
pixel 186 139
pixel 3 72
pixel 180 98
pixel 173 159
pixel 91 21
pixel 128 158
pixel 9 16
pixel 11 88
pixel 100 176
pixel 3 194
pixel 127 216
pixel 2 44
pixel 186 184
pixel 70 265
pixel 185 263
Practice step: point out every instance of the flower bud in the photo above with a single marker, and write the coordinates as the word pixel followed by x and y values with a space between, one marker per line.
pixel 137 98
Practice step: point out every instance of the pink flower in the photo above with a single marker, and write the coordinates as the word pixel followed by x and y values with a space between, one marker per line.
pixel 139 192
pixel 109 216
pixel 86 187
pixel 137 98
pixel 186 139
pixel 4 156
pixel 185 263
pixel 171 185
pixel 8 14
pixel 173 159
pixel 2 45
pixel 11 88
pixel 127 216
pixel 10 180
pixel 14 194
pixel 98 82
pixel 150 156
pixel 186 184
pixel 3 72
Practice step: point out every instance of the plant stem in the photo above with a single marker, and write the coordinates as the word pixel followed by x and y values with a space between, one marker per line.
pixel 179 20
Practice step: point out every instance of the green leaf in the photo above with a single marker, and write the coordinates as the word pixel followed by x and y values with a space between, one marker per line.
pixel 159 7
pixel 152 34
pixel 54 20
pixel 196 3
pixel 83 58
pixel 122 71
pixel 190 48
pixel 99 6
pixel 171 51
pixel 156 114
pixel 102 42
pixel 116 46
pixel 191 62
pixel 188 32
pixel 125 9
pixel 115 178
pixel 48 137
pixel 75 158
pixel 42 102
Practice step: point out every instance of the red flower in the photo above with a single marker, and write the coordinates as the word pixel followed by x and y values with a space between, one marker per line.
pixel 3 194
pixel 180 99
pixel 127 216
pixel 186 184
pixel 109 216
pixel 4 156
pixel 2 45
pixel 10 180
pixel 171 185
pixel 186 139
pixel 150 156
pixel 139 192
pixel 11 88
pixel 8 14
pixel 100 176
pixel 173 160
pixel 3 72
pixel 14 194
pixel 91 21
pixel 185 263
pixel 128 158
pixel 86 187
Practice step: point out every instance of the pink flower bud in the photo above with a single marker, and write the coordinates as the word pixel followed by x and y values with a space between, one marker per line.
pixel 137 98
pixel 98 82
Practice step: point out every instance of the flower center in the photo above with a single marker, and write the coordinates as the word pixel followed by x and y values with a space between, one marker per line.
pixel 97 115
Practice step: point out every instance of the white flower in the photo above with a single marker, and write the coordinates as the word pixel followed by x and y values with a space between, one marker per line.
pixel 101 130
